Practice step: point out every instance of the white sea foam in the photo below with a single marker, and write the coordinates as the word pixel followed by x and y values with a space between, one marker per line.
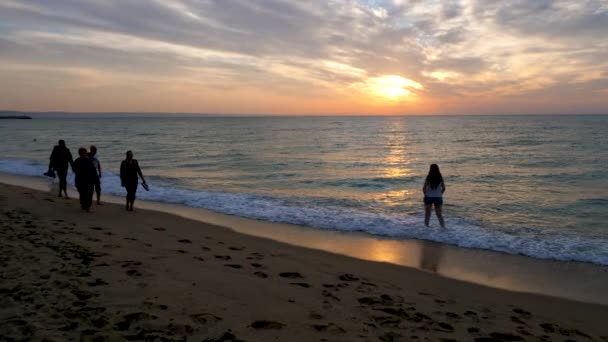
pixel 544 244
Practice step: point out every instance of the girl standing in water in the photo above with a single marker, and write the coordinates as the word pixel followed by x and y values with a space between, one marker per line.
pixel 433 190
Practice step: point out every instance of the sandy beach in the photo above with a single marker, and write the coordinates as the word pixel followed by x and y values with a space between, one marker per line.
pixel 112 275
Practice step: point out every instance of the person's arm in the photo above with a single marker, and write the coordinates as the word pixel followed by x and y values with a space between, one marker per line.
pixel 122 174
pixel 442 187
pixel 139 172
pixel 70 160
pixel 99 168
pixel 426 182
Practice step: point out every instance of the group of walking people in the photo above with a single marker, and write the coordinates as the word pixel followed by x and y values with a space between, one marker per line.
pixel 87 170
pixel 87 174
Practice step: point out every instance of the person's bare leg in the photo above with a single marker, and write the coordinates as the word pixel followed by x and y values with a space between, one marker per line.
pixel 427 214
pixel 438 211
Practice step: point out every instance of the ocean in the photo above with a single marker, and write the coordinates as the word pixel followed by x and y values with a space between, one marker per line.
pixel 526 185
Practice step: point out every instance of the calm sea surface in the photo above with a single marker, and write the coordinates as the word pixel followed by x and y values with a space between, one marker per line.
pixel 532 185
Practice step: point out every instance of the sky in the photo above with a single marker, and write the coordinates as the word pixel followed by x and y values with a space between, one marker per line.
pixel 380 57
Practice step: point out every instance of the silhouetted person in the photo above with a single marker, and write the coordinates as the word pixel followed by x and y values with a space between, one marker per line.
pixel 60 161
pixel 433 190
pixel 97 165
pixel 86 177
pixel 129 173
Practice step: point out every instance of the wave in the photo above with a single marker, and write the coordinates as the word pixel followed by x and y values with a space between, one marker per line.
pixel 545 244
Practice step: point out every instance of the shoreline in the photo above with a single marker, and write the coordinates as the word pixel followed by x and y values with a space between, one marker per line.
pixel 115 275
pixel 578 281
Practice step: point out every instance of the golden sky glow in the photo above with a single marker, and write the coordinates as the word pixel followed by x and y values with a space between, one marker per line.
pixel 305 57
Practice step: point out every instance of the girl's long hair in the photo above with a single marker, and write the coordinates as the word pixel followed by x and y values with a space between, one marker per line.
pixel 434 177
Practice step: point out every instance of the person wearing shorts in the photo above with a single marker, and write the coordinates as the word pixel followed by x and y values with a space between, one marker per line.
pixel 95 161
pixel 433 190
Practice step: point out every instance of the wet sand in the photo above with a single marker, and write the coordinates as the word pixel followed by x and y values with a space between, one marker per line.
pixel 577 281
pixel 113 275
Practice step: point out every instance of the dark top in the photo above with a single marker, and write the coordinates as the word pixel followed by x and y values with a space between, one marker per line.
pixel 85 172
pixel 129 170
pixel 61 158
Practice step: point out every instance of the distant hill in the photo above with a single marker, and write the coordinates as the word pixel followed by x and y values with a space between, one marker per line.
pixel 21 117
pixel 12 114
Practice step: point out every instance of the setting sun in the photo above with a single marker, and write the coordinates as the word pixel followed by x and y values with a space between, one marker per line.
pixel 392 87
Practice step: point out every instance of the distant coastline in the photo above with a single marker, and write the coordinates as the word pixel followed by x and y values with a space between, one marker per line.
pixel 13 114
pixel 16 117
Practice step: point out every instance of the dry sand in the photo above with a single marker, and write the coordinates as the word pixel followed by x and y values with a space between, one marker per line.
pixel 112 275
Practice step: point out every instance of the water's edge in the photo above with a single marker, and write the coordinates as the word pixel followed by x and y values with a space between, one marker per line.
pixel 571 280
pixel 552 245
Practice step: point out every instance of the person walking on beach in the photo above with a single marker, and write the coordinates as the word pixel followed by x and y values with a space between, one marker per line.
pixel 60 160
pixel 129 173
pixel 97 165
pixel 86 177
pixel 433 190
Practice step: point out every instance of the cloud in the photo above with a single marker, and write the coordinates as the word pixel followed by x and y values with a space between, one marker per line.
pixel 302 51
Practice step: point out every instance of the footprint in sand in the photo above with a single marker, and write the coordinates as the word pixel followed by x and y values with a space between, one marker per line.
pixel 130 263
pixel 236 248
pixel 255 256
pixel 184 241
pixel 223 257
pixel 522 312
pixel 205 318
pixel 134 273
pixel 348 277
pixel 153 305
pixel 304 285
pixel 445 327
pixel 160 229
pixel 97 282
pixel 131 318
pixel 330 295
pixel 506 336
pixel 261 274
pixel 517 320
pixel 256 265
pixel 452 315
pixel 315 315
pixel 329 327
pixel 226 337
pixel 267 325
pixel 233 265
pixel 291 275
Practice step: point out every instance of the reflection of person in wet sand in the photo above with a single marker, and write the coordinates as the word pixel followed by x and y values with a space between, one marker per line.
pixel 433 190
pixel 430 257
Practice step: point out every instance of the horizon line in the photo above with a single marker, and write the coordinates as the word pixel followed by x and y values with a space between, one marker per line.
pixel 56 112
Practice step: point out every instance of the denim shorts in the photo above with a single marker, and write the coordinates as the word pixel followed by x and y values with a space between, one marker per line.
pixel 433 200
